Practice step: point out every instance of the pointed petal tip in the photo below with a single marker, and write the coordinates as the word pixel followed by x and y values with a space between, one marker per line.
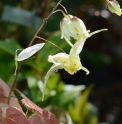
pixel 98 31
pixel 87 73
pixel 105 29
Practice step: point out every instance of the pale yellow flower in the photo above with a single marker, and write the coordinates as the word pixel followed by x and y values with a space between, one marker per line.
pixel 72 26
pixel 70 62
pixel 114 7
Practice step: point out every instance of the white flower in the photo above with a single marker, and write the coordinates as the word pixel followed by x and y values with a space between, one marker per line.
pixel 70 62
pixel 114 7
pixel 71 26
pixel 28 52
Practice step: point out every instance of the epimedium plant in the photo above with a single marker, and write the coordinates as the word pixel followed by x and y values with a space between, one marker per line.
pixel 70 26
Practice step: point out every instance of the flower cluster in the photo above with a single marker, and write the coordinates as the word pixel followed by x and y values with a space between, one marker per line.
pixel 71 26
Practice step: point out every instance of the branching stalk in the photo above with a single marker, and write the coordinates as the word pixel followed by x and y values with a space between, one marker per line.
pixel 31 42
pixel 50 43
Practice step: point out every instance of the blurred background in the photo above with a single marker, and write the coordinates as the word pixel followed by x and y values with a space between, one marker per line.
pixel 77 99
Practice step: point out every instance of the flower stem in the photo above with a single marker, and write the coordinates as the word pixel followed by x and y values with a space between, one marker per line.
pixel 50 43
pixel 14 82
pixel 45 20
pixel 31 42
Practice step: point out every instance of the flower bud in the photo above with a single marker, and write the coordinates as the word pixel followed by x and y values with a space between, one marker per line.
pixel 71 26
pixel 28 52
pixel 114 7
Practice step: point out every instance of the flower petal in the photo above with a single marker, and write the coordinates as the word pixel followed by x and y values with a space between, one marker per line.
pixel 68 41
pixel 95 32
pixel 77 47
pixel 58 58
pixel 64 30
pixel 79 28
pixel 72 26
pixel 51 71
pixel 28 52
pixel 85 69
pixel 63 27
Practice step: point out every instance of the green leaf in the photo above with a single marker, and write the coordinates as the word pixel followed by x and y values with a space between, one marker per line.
pixel 92 116
pixel 83 100
pixel 9 46
pixel 6 65
pixel 53 81
pixel 21 17
pixel 80 109
pixel 67 95
pixel 33 85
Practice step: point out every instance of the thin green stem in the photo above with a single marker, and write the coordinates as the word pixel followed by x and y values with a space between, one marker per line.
pixel 65 11
pixel 50 43
pixel 59 10
pixel 14 82
pixel 45 20
pixel 26 112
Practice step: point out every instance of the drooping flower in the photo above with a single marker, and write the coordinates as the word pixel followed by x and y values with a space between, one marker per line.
pixel 70 62
pixel 72 26
pixel 114 7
